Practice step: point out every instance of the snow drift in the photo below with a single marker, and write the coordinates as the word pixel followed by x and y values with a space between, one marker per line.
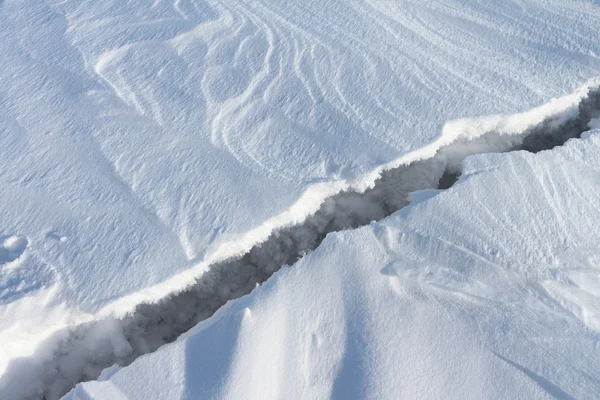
pixel 486 290
pixel 82 352
pixel 143 143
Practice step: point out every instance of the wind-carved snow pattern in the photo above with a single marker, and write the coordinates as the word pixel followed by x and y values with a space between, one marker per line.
pixel 80 353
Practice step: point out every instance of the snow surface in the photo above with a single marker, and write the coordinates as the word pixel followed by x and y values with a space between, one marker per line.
pixel 80 353
pixel 488 290
pixel 140 142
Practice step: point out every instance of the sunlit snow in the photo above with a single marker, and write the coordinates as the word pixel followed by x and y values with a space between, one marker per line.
pixel 144 145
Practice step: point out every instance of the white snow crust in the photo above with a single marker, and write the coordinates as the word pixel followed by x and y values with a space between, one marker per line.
pixel 140 142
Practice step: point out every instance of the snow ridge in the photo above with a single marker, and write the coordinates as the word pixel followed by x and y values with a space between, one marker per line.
pixel 81 353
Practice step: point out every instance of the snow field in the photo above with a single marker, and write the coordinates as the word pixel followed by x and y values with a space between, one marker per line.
pixel 80 353
pixel 143 143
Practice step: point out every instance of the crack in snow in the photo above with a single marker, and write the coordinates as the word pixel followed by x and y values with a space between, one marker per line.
pixel 80 353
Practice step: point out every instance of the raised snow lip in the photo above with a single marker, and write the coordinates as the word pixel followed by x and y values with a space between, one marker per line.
pixel 80 353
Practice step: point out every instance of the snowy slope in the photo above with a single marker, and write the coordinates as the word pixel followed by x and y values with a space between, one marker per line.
pixel 141 141
pixel 488 290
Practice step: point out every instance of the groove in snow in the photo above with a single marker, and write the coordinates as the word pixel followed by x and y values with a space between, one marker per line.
pixel 80 353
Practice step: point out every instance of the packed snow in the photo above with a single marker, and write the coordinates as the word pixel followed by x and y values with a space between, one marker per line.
pixel 143 143
pixel 464 295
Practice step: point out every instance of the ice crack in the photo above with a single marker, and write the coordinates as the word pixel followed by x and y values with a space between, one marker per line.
pixel 80 353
